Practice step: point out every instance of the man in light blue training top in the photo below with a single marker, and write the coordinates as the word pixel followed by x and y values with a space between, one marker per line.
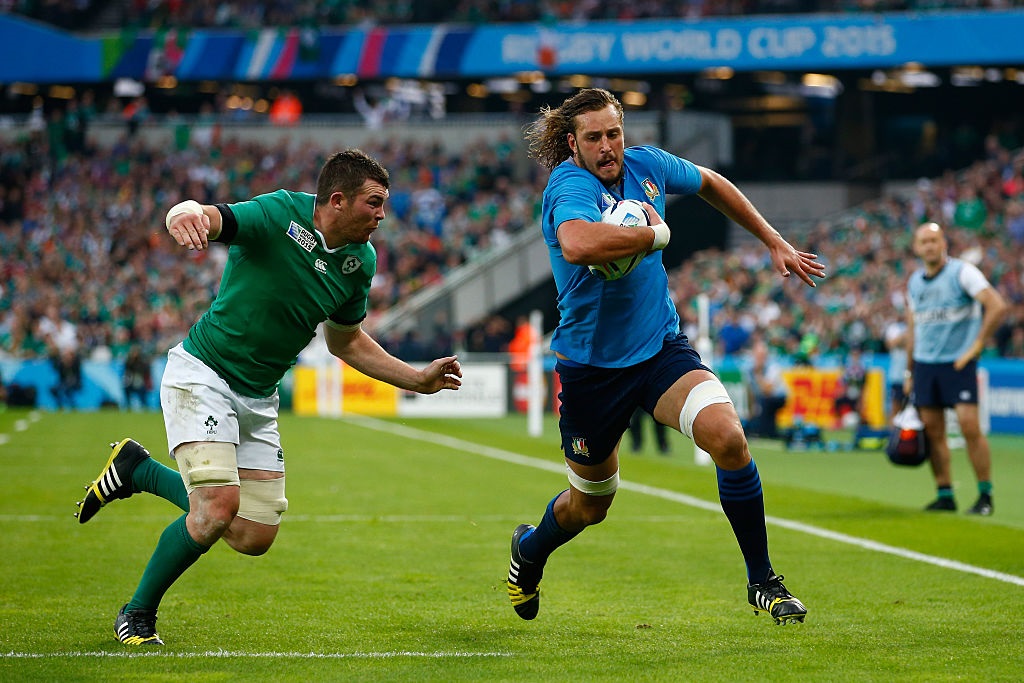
pixel 295 260
pixel 946 332
pixel 618 344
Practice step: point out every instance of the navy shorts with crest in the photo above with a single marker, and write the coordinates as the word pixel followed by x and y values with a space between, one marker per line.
pixel 938 385
pixel 598 402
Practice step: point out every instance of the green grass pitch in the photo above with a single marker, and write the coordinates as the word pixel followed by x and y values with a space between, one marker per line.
pixel 391 562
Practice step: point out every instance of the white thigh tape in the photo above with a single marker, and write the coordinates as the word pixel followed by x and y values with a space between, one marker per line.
pixel 700 397
pixel 207 463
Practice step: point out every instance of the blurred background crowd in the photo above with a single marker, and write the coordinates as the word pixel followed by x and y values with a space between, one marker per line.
pixel 89 273
pixel 88 267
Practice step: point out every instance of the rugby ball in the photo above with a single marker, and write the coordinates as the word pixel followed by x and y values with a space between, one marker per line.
pixel 628 213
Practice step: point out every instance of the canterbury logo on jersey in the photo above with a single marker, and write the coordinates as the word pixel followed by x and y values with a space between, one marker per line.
pixel 320 265
pixel 303 237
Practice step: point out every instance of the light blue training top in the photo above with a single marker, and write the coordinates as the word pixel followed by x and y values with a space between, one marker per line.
pixel 947 318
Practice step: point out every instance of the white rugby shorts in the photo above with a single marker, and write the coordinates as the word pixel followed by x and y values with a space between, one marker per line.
pixel 200 406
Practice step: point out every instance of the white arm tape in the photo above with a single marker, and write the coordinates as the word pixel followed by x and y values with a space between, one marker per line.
pixel 661 236
pixel 187 206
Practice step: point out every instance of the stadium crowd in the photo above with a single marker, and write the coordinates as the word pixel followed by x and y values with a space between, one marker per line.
pixel 77 14
pixel 250 13
pixel 869 257
pixel 87 265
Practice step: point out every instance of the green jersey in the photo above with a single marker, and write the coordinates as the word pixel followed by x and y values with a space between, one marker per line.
pixel 280 282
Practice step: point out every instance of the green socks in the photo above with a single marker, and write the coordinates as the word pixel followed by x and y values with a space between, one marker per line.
pixel 152 477
pixel 175 552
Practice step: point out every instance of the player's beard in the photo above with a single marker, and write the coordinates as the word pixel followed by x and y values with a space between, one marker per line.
pixel 595 169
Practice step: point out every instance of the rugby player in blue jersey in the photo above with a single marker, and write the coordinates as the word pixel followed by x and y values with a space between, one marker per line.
pixel 618 344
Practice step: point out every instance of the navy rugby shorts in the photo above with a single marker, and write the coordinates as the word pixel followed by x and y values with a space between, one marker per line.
pixel 598 402
pixel 938 385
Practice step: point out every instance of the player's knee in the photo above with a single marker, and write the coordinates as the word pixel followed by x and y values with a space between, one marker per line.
pixel 726 438
pixel 970 430
pixel 592 507
pixel 261 505
pixel 211 513
pixel 730 449
pixel 209 471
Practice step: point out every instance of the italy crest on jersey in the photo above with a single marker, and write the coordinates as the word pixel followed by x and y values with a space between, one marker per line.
pixel 650 189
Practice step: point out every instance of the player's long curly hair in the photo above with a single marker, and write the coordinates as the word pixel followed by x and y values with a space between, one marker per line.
pixel 346 171
pixel 548 136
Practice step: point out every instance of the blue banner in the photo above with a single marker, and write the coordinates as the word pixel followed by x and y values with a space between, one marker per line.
pixel 1005 395
pixel 822 43
pixel 29 52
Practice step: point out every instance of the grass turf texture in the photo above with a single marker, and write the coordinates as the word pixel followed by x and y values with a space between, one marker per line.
pixel 392 558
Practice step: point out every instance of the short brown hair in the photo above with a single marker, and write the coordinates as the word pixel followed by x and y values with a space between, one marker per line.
pixel 346 172
pixel 549 134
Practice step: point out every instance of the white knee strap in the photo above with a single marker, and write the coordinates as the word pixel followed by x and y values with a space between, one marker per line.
pixel 593 488
pixel 700 397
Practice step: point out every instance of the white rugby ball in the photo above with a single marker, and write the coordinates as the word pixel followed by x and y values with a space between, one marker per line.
pixel 628 213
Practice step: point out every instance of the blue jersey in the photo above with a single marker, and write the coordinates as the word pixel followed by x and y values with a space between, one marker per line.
pixel 947 319
pixel 613 323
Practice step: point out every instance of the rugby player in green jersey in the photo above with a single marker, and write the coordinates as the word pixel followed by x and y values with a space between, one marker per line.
pixel 295 260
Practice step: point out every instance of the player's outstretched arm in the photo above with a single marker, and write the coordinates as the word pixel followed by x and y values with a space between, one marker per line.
pixel 193 225
pixel 720 193
pixel 363 353
pixel 788 260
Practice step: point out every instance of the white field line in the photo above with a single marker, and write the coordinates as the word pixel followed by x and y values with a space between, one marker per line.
pixel 21 425
pixel 518 459
pixel 367 519
pixel 251 655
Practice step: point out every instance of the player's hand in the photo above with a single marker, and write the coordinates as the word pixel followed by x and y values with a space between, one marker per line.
pixel 653 218
pixel 968 356
pixel 191 230
pixel 443 373
pixel 788 260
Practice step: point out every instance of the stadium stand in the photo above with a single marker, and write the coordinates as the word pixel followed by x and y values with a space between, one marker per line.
pixel 79 14
pixel 67 214
pixel 68 211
